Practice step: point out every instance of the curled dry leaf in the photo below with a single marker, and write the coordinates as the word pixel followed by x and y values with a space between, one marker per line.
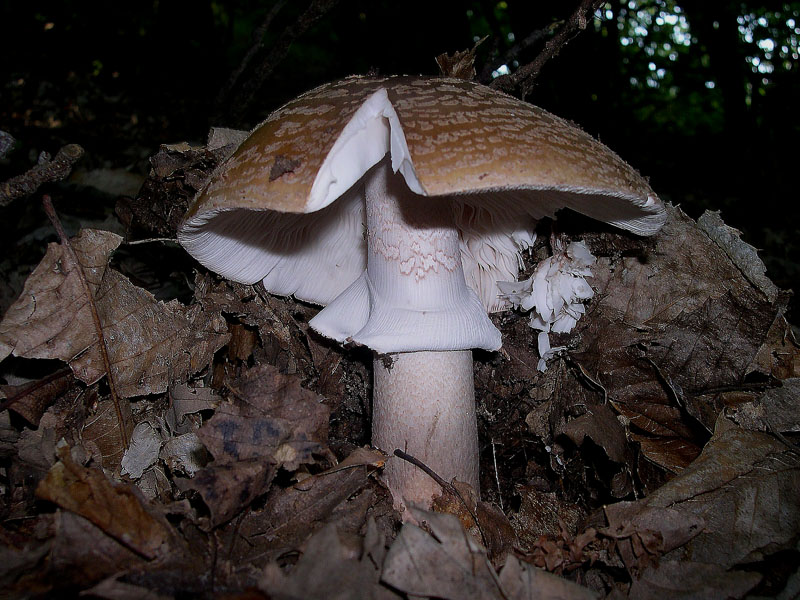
pixel 31 399
pixel 487 524
pixel 150 343
pixel 642 534
pixel 116 508
pixel 186 401
pixel 735 504
pixel 744 486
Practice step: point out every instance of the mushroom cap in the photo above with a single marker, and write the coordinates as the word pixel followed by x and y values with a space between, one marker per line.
pixel 450 138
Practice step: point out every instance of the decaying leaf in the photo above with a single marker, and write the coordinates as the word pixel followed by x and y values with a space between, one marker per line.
pixel 735 504
pixel 778 409
pixel 672 580
pixel 31 399
pixel 328 568
pixel 744 486
pixel 673 322
pixel 486 523
pixel 101 432
pixel 184 454
pixel 445 563
pixel 521 581
pixel 230 487
pixel 642 533
pixel 142 453
pixel 543 514
pixel 269 418
pixel 185 401
pixel 100 554
pixel 150 343
pixel 291 515
pixel 116 508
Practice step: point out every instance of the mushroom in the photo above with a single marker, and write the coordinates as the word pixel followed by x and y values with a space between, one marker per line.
pixel 398 203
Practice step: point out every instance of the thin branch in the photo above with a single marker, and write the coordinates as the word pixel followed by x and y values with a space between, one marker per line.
pixel 51 214
pixel 515 50
pixel 48 170
pixel 258 44
pixel 525 76
pixel 315 11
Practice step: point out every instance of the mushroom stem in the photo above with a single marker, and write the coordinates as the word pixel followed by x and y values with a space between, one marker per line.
pixel 413 304
pixel 424 404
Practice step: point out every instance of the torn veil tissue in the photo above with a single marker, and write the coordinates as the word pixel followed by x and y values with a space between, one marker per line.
pixel 555 294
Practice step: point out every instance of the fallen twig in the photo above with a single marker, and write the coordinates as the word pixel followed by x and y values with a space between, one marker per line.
pixel 51 214
pixel 526 75
pixel 48 170
pixel 252 85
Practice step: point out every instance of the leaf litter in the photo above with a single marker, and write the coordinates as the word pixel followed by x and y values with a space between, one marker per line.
pixel 656 457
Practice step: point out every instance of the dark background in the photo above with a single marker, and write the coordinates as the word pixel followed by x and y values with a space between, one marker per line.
pixel 701 97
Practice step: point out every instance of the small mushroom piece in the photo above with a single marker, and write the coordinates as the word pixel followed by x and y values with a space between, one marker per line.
pixel 398 203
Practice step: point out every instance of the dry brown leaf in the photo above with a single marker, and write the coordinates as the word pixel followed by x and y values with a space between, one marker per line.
pixel 186 401
pixel 521 581
pixel 541 514
pixel 291 515
pixel 328 568
pixel 116 508
pixel 487 524
pixel 270 418
pixel 677 321
pixel 642 534
pixel 601 425
pixel 30 400
pixel 736 504
pixel 682 580
pixel 673 454
pixel 777 409
pixel 83 553
pixel 150 343
pixel 446 563
pixel 229 488
pixel 744 486
pixel 101 433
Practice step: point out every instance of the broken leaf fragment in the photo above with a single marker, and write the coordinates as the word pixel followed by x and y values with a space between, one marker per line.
pixel 116 508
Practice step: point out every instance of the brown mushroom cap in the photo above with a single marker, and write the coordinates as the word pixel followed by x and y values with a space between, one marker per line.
pixel 459 139
pixel 463 138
